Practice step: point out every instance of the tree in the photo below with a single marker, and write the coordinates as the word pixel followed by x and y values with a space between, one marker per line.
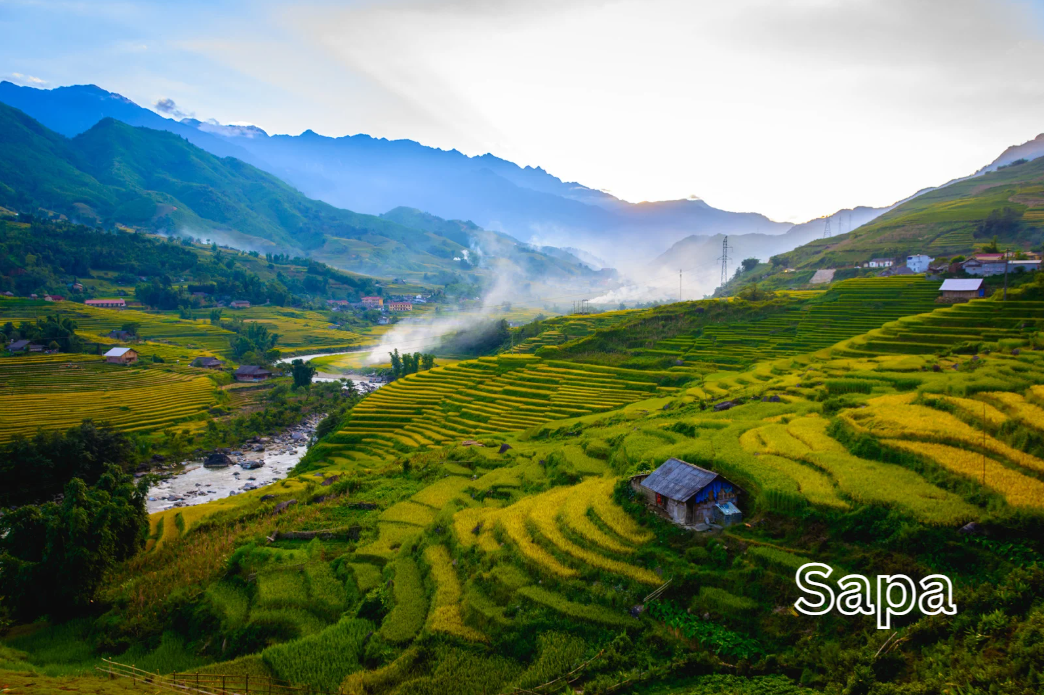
pixel 750 264
pixel 396 363
pixel 131 327
pixel 302 373
pixel 427 361
pixel 215 316
pixel 54 556
pixel 36 469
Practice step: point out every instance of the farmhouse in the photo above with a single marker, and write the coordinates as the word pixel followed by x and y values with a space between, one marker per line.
pixel 18 346
pixel 207 363
pixel 250 372
pixel 337 303
pixel 983 268
pixel 880 263
pixel 689 495
pixel 240 304
pixel 961 290
pixel 372 302
pixel 918 263
pixel 400 306
pixel 116 303
pixel 124 336
pixel 54 298
pixel 121 355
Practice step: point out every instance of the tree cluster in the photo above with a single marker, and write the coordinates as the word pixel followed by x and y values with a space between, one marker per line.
pixel 410 363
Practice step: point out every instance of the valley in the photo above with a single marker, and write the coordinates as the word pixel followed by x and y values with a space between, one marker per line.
pixel 251 441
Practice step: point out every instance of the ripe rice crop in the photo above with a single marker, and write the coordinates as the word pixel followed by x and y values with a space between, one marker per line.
pixel 390 537
pixel 322 660
pixel 513 521
pixel 893 418
pixel 976 410
pixel 439 494
pixel 1017 489
pixel 411 605
pixel 575 516
pixel 1023 410
pixel 613 516
pixel 445 613
pixel 545 517
pixel 407 512
pixel 580 611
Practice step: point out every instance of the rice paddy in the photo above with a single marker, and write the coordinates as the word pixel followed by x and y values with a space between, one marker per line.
pixel 59 391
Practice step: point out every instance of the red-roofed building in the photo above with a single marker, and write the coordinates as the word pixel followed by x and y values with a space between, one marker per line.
pixel 106 303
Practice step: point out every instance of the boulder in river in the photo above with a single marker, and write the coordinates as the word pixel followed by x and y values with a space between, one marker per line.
pixel 217 460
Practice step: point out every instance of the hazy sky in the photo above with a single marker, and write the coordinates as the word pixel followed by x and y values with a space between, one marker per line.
pixel 789 108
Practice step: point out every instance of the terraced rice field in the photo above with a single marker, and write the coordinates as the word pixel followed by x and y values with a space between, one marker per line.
pixel 192 337
pixel 975 321
pixel 299 331
pixel 483 397
pixel 848 309
pixel 59 391
pixel 570 327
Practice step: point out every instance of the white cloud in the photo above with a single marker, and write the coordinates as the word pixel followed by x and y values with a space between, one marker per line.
pixel 30 79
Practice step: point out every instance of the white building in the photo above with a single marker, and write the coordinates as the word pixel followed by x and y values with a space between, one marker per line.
pixel 880 263
pixel 918 263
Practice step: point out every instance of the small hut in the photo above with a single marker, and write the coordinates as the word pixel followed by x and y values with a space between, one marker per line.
pixel 689 494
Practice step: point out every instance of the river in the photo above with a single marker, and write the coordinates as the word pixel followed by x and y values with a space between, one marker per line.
pixel 196 484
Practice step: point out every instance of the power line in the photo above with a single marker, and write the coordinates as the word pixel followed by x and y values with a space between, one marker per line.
pixel 725 248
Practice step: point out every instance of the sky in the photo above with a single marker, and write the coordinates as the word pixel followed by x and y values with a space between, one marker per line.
pixel 791 108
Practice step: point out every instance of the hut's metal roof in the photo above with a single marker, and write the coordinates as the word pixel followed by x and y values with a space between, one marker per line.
pixel 678 480
pixel 958 285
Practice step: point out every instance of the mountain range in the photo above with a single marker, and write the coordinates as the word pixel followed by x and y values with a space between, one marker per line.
pixel 374 175
pixel 388 184
pixel 114 173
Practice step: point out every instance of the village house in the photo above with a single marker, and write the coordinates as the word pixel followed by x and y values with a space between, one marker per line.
pixel 400 306
pixel 106 303
pixel 894 271
pixel 983 268
pixel 240 304
pixel 372 302
pixel 250 372
pixel 121 355
pixel 76 287
pixel 54 298
pixel 880 263
pixel 954 290
pixel 123 336
pixel 337 303
pixel 208 363
pixel 918 263
pixel 689 495
pixel 18 346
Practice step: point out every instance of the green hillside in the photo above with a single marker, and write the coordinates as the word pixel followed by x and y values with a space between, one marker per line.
pixel 156 181
pixel 943 222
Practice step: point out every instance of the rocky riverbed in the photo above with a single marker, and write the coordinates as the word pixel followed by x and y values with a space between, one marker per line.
pixel 260 461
